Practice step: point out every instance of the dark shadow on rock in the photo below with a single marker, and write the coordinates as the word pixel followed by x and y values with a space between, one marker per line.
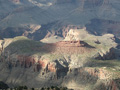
pixel 12 32
pixel 101 26
pixel 26 46
pixel 61 70
pixel 3 85
pixel 108 56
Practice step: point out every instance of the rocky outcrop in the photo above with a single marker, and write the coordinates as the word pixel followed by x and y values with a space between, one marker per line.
pixel 26 61
pixel 104 75
pixel 50 27
pixel 69 47
pixel 47 30
pixel 51 67
pixel 82 75
pixel 101 76
pixel 37 64
pixel 71 44
pixel 37 32
pixel 111 54
pixel 55 63
pixel 100 73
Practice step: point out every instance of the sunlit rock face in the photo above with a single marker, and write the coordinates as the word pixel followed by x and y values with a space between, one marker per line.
pixel 73 62
pixel 68 62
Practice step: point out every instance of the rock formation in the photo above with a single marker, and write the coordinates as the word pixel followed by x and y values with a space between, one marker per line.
pixel 61 63
pixel 107 56
pixel 80 61
pixel 16 20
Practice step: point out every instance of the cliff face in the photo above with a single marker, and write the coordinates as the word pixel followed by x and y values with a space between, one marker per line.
pixel 42 62
pixel 61 63
pixel 48 30
pixel 44 71
pixel 108 55
pixel 26 62
pixel 38 65
pixel 57 17
pixel 100 78
pixel 69 47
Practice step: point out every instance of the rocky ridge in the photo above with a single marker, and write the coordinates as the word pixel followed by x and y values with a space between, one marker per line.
pixel 99 17
pixel 60 63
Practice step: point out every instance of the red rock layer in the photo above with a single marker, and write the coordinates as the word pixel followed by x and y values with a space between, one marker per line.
pixel 28 61
pixel 51 67
pixel 69 47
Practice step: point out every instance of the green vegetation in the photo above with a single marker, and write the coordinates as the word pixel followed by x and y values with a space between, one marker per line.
pixel 105 63
pixel 23 45
pixel 53 56
pixel 111 66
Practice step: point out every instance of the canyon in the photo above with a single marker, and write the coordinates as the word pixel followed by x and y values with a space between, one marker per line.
pixel 64 43
pixel 66 63
pixel 55 19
